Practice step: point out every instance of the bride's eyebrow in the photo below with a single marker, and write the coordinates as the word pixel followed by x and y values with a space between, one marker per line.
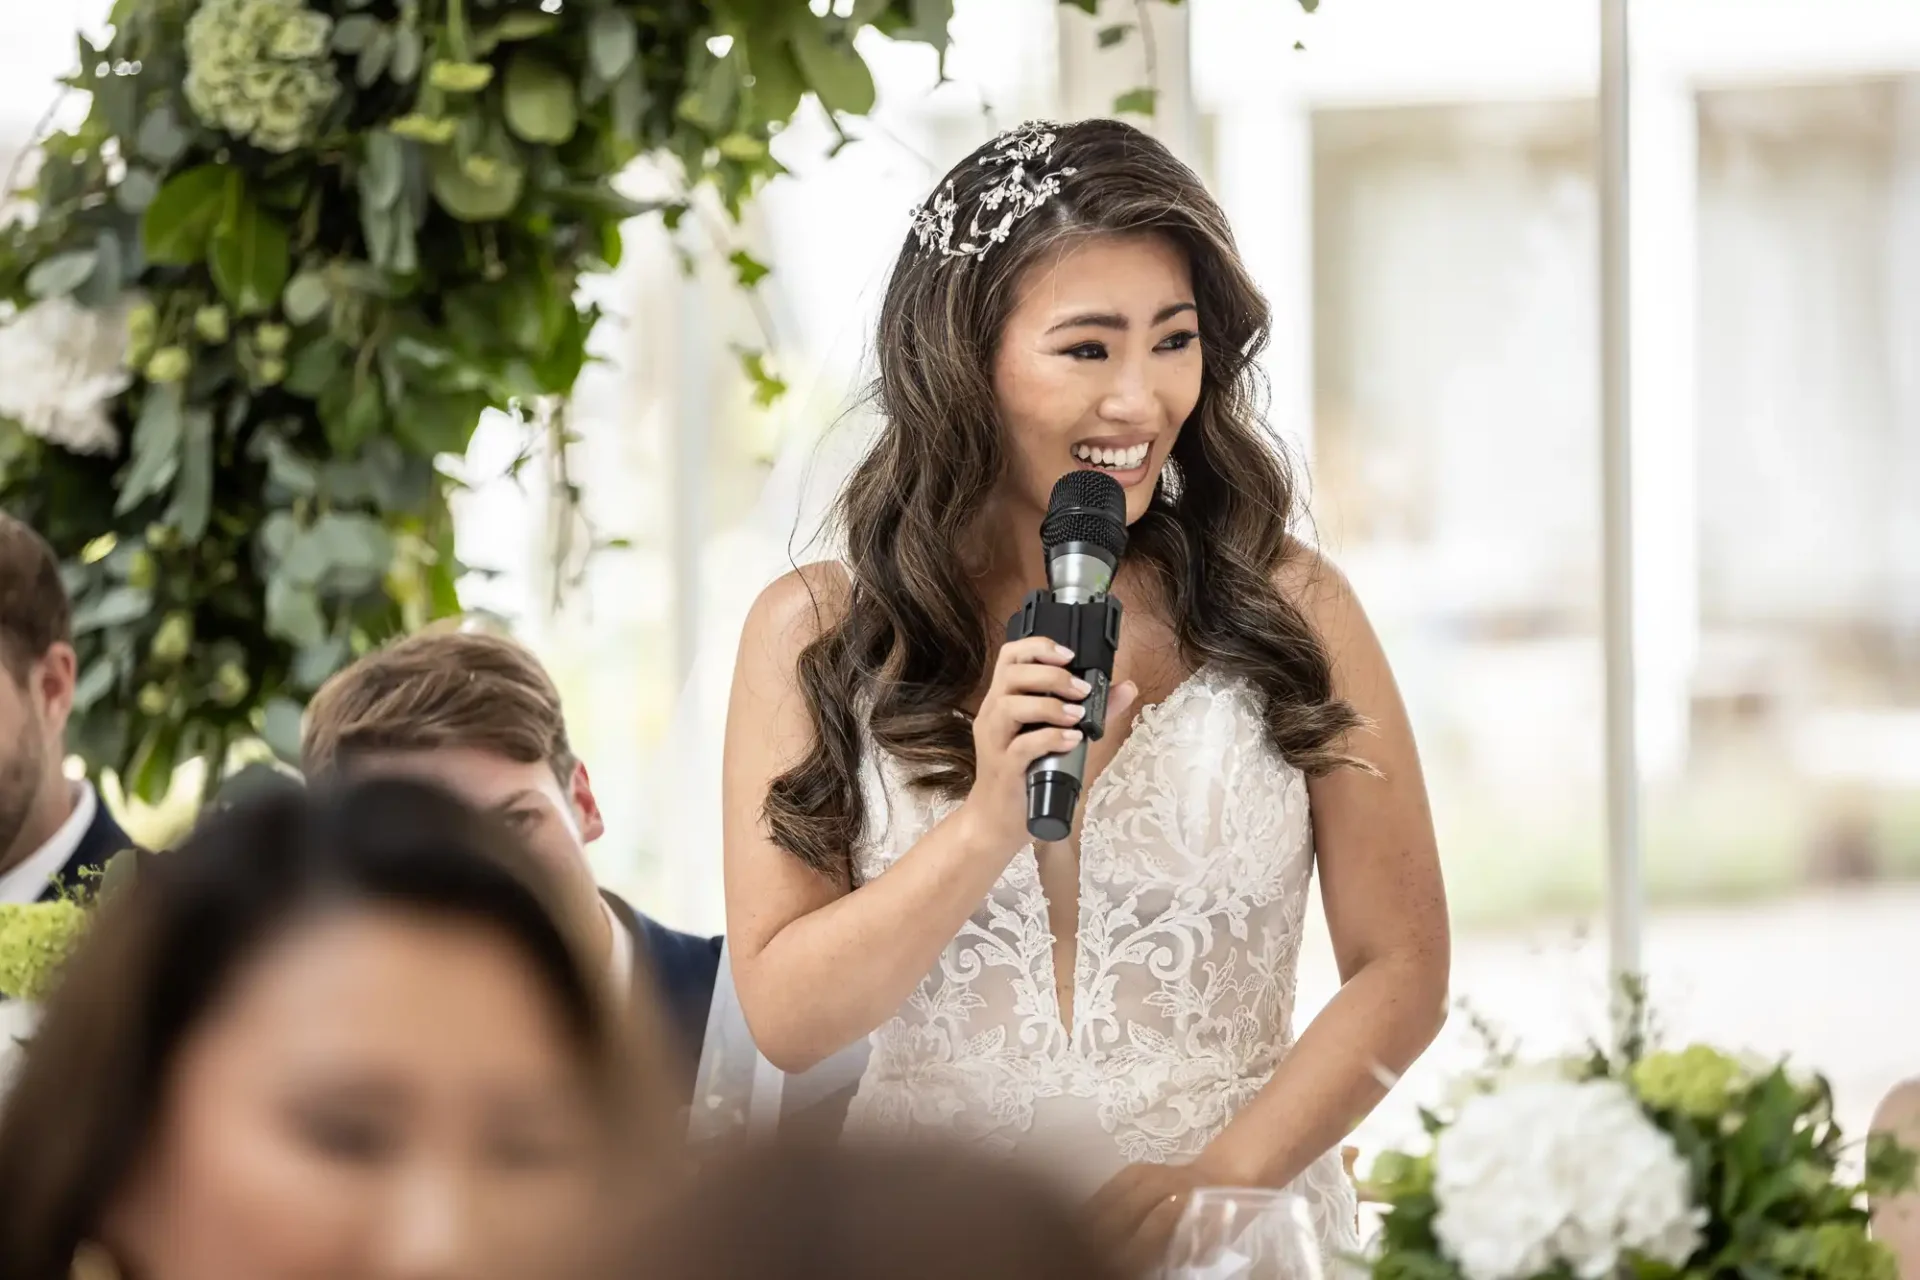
pixel 1114 320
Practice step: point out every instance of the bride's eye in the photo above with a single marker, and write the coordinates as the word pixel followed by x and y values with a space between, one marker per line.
pixel 1179 341
pixel 1087 351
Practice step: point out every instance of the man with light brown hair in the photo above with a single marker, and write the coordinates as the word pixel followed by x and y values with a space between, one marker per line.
pixel 478 714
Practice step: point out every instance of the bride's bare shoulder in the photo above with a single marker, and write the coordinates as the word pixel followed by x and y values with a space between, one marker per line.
pixel 797 607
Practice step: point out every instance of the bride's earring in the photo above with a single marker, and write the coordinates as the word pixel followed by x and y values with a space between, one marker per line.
pixel 92 1262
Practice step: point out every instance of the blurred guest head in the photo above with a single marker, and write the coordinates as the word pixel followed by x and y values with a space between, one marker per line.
pixel 478 714
pixel 331 1035
pixel 797 1212
pixel 475 713
pixel 36 692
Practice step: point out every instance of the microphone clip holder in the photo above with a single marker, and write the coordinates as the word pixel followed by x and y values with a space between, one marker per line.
pixel 1091 630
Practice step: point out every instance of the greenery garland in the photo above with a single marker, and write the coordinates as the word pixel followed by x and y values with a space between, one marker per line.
pixel 293 252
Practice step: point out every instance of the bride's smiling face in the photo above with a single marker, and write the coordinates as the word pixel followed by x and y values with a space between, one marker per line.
pixel 1098 366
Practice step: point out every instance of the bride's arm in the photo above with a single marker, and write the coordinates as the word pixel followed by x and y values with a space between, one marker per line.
pixel 1386 912
pixel 816 964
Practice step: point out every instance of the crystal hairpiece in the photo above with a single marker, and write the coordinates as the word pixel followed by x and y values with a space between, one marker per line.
pixel 1020 155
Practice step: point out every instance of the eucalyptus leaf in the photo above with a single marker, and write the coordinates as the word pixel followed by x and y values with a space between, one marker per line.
pixel 117 98
pixel 1116 34
pixel 404 259
pixel 408 50
pixel 183 214
pixel 289 471
pixel 136 190
pixel 318 364
pixel 277 535
pixel 1139 102
pixel 95 682
pixel 357 546
pixel 539 98
pixel 156 448
pixel 62 273
pixel 832 68
pixel 611 42
pixel 628 102
pixel 280 726
pixel 374 58
pixel 115 607
pixel 306 561
pixel 162 138
pixel 102 287
pixel 193 491
pixel 477 193
pixel 352 413
pixel 521 24
pixel 383 169
pixel 313 664
pixel 353 33
pixel 250 260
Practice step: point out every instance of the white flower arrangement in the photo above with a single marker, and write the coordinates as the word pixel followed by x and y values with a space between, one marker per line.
pixel 1635 1165
pixel 61 365
pixel 1546 1172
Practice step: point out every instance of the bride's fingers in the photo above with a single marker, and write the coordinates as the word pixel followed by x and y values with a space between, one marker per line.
pixel 1115 1212
pixel 1148 1247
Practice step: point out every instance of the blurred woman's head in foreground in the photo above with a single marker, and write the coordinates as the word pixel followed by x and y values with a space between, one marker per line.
pixel 333 1034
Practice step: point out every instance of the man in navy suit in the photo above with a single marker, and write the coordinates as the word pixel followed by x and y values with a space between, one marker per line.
pixel 53 830
pixel 477 713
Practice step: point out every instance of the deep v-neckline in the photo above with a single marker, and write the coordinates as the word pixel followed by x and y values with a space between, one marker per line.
pixel 1146 722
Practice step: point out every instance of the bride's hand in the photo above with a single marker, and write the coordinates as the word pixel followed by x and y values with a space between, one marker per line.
pixel 1132 1218
pixel 1031 686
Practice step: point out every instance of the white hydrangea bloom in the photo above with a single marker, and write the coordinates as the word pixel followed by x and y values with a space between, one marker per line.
pixel 259 70
pixel 61 365
pixel 1551 1171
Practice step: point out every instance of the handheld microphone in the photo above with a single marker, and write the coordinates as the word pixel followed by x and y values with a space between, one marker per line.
pixel 1083 535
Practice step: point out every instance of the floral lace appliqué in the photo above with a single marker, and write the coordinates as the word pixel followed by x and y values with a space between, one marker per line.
pixel 1196 859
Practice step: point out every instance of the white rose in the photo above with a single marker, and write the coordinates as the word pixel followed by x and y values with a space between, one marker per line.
pixel 61 365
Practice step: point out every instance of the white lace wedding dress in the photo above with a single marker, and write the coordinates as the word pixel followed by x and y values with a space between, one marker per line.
pixel 1196 857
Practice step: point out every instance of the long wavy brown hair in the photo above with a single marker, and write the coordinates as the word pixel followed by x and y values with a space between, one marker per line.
pixel 913 641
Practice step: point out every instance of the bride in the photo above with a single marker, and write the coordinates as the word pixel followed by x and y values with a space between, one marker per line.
pixel 1116 1006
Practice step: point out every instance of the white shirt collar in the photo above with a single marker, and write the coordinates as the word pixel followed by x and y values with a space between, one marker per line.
pixel 26 882
pixel 620 963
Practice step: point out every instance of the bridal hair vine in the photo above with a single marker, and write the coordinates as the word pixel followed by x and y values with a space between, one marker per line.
pixel 1022 185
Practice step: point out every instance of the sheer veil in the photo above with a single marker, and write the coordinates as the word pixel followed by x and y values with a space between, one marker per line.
pixel 736 1087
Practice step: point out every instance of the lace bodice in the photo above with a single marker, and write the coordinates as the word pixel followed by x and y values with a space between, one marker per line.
pixel 1195 861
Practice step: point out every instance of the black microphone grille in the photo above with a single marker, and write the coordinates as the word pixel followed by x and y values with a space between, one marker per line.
pixel 1087 506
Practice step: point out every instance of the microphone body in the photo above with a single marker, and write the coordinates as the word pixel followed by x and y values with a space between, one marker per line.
pixel 1084 536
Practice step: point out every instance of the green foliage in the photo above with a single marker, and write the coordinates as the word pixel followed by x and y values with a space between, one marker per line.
pixel 339 231
pixel 1766 1157
pixel 342 229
